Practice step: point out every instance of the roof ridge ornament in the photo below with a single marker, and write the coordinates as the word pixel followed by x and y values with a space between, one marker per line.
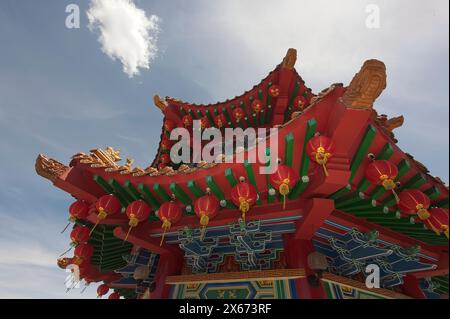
pixel 160 103
pixel 366 86
pixel 290 59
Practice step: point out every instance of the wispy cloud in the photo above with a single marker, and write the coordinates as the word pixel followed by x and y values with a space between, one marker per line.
pixel 125 33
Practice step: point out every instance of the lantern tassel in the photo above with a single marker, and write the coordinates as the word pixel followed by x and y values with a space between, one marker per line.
pixel 202 233
pixel 128 234
pixel 62 232
pixel 325 169
pixel 284 201
pixel 93 228
pixel 162 238
pixel 397 200
pixel 66 251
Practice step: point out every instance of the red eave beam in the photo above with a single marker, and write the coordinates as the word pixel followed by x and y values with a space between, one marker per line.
pixel 315 212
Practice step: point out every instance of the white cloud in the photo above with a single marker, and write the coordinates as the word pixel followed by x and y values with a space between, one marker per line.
pixel 125 33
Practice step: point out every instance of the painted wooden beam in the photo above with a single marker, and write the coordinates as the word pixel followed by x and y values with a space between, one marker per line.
pixel 316 211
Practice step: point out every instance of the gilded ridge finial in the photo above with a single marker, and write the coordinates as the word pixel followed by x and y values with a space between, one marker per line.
pixel 366 86
pixel 290 59
pixel 49 168
pixel 159 102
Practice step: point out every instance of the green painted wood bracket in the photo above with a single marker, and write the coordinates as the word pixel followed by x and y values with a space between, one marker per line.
pixel 339 193
pixel 251 178
pixel 270 198
pixel 262 117
pixel 103 184
pixel 362 150
pixel 131 190
pixel 311 128
pixel 268 113
pixel 386 152
pixel 443 203
pixel 230 177
pixel 195 189
pixel 148 196
pixel 403 167
pixel 182 111
pixel 289 149
pixel 200 114
pixel 287 112
pixel 214 187
pixel 432 193
pixel 227 115
pixel 260 95
pixel 209 116
pixel 255 120
pixel 192 114
pixel 120 193
pixel 180 194
pixel 161 193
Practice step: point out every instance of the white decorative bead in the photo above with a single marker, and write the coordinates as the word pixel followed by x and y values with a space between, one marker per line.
pixel 397 215
pixel 374 203
pixel 272 191
pixel 189 208
pixel 223 203
pixel 385 209
pixel 305 179
pixel 242 179
pixel 348 186
pixel 157 213
pixel 362 195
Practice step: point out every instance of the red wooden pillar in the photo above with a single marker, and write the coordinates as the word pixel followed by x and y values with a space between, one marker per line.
pixel 411 287
pixel 296 254
pixel 169 264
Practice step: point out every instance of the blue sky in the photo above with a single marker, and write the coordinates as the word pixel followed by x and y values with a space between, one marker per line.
pixel 60 94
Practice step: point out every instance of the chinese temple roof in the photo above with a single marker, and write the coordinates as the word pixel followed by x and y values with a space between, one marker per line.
pixel 340 211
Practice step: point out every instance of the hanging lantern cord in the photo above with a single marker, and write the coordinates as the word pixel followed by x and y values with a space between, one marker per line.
pixel 101 215
pixel 322 158
pixel 204 220
pixel 284 190
pixel 166 225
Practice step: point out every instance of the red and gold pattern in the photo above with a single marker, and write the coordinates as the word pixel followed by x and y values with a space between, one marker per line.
pixel 320 149
pixel 274 90
pixel 187 121
pixel 220 120
pixel 257 106
pixel 138 211
pixel 300 103
pixel 169 213
pixel 206 208
pixel 238 114
pixel 384 173
pixel 284 179
pixel 244 196
pixel 438 221
pixel 414 202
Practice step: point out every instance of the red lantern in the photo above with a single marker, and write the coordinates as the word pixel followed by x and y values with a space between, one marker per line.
pixel 300 102
pixel 80 235
pixel 438 221
pixel 381 172
pixel 204 122
pixel 320 149
pixel 169 213
pixel 114 295
pixel 78 210
pixel 83 253
pixel 244 195
pixel 187 121
pixel 274 90
pixel 102 290
pixel 166 144
pixel 257 106
pixel 137 212
pixel 206 208
pixel 220 120
pixel 106 205
pixel 238 114
pixel 413 201
pixel 284 179
pixel 169 125
pixel 164 158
